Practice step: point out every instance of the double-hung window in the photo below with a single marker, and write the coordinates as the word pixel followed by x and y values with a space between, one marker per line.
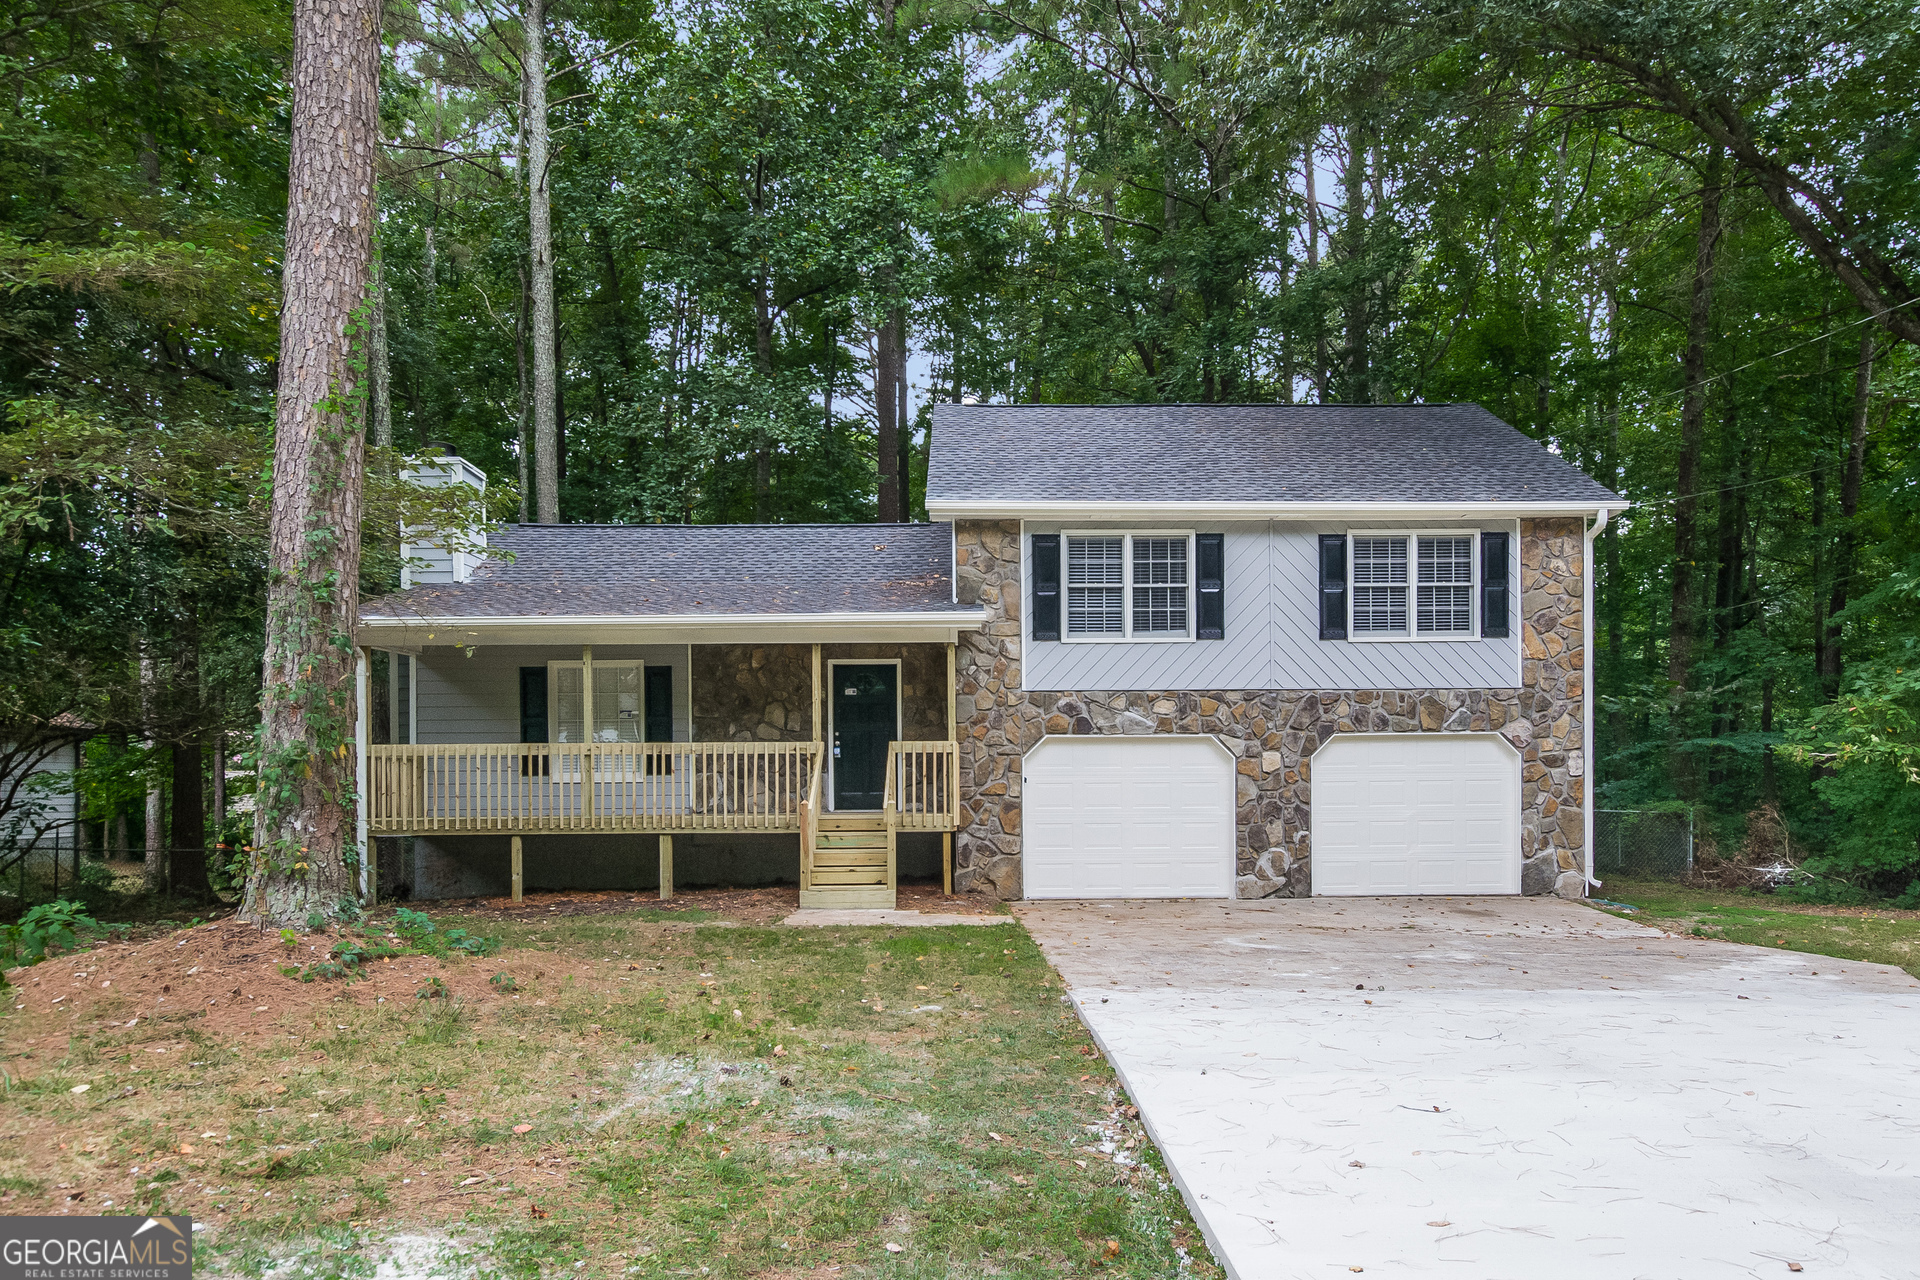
pixel 1134 586
pixel 1413 585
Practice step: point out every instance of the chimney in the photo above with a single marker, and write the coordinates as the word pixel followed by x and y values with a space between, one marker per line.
pixel 429 555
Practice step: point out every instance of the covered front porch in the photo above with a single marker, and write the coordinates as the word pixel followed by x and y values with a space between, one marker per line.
pixel 818 757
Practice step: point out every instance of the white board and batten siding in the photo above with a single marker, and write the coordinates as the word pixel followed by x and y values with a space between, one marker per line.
pixel 1415 813
pixel 1128 817
pixel 476 699
pixel 1272 589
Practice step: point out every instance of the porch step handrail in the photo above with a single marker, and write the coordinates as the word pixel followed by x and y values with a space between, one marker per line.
pixel 602 786
pixel 810 819
pixel 921 792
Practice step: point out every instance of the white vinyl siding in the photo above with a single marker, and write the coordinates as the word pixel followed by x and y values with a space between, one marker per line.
pixel 1273 628
pixel 477 699
pixel 1129 586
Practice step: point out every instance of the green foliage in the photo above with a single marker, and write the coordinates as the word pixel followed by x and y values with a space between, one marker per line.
pixel 45 930
pixel 421 934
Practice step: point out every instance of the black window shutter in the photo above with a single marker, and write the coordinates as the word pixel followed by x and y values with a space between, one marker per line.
pixel 533 704
pixel 1210 550
pixel 1496 588
pixel 1046 586
pixel 1333 586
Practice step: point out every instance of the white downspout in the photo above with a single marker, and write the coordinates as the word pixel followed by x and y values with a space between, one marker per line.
pixel 1590 787
pixel 362 737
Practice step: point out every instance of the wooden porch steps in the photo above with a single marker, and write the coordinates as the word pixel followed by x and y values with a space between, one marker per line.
pixel 852 863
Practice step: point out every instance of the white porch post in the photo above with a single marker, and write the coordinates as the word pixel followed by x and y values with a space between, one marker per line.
pixel 362 739
pixel 586 733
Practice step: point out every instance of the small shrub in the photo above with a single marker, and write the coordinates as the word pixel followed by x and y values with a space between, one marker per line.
pixel 504 982
pixel 49 927
pixel 316 920
pixel 434 990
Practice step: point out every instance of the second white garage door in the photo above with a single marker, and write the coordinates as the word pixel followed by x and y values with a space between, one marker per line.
pixel 1415 813
pixel 1134 817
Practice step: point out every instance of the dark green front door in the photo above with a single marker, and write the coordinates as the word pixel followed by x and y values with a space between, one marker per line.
pixel 865 719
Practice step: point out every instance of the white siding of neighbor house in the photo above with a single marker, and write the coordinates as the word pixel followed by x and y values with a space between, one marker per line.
pixel 1272 589
pixel 477 699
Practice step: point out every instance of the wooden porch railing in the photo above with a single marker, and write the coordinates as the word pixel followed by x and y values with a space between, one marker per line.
pixel 810 821
pixel 921 777
pixel 611 786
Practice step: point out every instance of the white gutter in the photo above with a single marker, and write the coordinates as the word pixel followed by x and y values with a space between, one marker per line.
pixel 1003 509
pixel 384 630
pixel 1589 766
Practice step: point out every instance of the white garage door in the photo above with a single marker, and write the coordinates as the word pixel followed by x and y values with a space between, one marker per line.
pixel 1415 813
pixel 1136 817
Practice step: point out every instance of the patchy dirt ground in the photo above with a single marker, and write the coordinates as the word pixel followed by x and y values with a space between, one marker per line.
pixel 653 1092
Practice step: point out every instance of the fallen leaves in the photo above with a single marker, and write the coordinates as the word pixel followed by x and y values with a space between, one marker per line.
pixel 523 1128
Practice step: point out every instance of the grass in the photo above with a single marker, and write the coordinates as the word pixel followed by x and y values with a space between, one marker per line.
pixel 666 1133
pixel 1847 933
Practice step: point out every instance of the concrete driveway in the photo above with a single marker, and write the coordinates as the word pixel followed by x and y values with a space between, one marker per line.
pixel 1505 1088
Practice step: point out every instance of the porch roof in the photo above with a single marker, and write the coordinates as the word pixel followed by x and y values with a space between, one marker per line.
pixel 667 583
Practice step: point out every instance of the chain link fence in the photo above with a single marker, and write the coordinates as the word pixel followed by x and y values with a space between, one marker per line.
pixel 39 871
pixel 1654 844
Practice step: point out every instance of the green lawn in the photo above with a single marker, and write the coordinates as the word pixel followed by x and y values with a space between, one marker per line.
pixel 1846 933
pixel 833 1116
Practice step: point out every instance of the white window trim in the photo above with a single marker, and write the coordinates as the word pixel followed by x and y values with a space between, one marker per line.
pixel 1412 635
pixel 553 700
pixel 1126 635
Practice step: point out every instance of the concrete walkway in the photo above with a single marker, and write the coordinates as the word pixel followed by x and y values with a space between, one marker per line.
pixel 1505 1088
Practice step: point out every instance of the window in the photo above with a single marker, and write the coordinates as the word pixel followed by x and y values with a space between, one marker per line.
pixel 1444 595
pixel 1096 572
pixel 1130 586
pixel 1428 578
pixel 617 705
pixel 1379 586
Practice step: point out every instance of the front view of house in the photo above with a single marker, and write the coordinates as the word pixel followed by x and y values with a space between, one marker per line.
pixel 1142 651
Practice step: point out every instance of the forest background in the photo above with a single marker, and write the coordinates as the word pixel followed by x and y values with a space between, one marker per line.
pixel 713 262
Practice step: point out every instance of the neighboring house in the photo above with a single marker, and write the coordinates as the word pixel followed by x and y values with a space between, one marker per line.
pixel 1167 651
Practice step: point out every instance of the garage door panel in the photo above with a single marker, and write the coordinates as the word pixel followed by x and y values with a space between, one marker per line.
pixel 1133 817
pixel 1415 813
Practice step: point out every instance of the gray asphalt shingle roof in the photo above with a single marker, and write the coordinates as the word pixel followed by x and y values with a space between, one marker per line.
pixel 599 570
pixel 1243 453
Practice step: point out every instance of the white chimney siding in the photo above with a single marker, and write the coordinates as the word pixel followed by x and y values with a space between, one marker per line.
pixel 435 555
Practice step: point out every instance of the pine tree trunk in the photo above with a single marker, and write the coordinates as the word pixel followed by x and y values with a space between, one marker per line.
pixel 526 394
pixel 1313 268
pixel 379 374
pixel 304 852
pixel 1693 411
pixel 903 425
pixel 886 407
pixel 153 871
pixel 546 420
pixel 187 865
pixel 1831 661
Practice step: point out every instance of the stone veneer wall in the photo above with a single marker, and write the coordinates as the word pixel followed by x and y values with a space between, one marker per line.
pixel 752 693
pixel 764 692
pixel 1275 732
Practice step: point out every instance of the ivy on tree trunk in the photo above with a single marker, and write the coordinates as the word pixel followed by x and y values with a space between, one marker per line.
pixel 304 853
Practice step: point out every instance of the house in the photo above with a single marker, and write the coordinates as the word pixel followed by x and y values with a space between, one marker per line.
pixel 1154 651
